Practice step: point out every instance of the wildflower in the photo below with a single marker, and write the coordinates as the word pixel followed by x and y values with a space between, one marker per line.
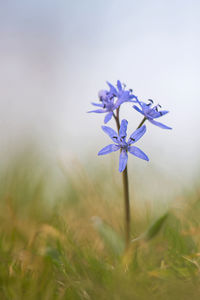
pixel 122 94
pixel 112 99
pixel 107 105
pixel 122 145
pixel 151 113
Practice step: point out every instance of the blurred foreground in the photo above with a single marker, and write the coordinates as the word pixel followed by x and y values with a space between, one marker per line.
pixel 64 239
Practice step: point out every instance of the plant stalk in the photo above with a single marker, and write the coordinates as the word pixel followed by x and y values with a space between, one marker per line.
pixel 143 120
pixel 126 188
pixel 127 207
pixel 126 193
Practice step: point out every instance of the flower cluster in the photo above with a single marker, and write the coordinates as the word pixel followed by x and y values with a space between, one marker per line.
pixel 110 102
pixel 112 99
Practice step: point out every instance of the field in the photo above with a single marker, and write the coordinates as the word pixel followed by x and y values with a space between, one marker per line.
pixel 64 239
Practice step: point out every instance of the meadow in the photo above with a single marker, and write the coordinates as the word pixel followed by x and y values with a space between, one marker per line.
pixel 64 239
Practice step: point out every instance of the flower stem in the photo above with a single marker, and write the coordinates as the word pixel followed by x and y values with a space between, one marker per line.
pixel 126 193
pixel 117 119
pixel 126 188
pixel 127 207
pixel 143 120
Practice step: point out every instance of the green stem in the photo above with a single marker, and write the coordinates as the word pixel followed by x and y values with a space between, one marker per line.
pixel 127 207
pixel 144 119
pixel 126 193
pixel 126 188
pixel 117 120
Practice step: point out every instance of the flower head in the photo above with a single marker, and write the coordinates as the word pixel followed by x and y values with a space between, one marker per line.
pixel 122 94
pixel 112 99
pixel 120 143
pixel 151 113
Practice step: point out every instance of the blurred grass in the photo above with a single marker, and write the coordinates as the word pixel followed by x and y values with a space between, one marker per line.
pixel 65 240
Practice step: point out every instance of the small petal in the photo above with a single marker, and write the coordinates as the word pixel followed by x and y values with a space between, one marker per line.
pixel 144 105
pixel 97 104
pixel 111 133
pixel 123 160
pixel 137 134
pixel 161 113
pixel 138 109
pixel 119 85
pixel 112 88
pixel 137 152
pixel 159 124
pixel 102 95
pixel 108 149
pixel 99 111
pixel 108 117
pixel 123 128
pixel 135 97
pixel 157 114
pixel 118 102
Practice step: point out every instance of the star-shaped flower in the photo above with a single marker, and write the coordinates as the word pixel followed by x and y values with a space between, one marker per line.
pixel 112 99
pixel 122 94
pixel 107 104
pixel 121 144
pixel 151 113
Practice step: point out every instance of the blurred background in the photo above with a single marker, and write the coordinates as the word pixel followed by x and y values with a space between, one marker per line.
pixel 56 55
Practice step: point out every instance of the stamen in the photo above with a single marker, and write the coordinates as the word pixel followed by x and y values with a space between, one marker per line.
pixel 156 107
pixel 132 139
pixel 150 100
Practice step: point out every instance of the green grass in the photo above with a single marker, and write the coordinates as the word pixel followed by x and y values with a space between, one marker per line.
pixel 64 240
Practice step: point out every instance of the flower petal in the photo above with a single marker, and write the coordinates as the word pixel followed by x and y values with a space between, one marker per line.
pixel 143 104
pixel 137 134
pixel 99 111
pixel 119 85
pixel 159 124
pixel 123 160
pixel 111 133
pixel 108 149
pixel 97 104
pixel 123 128
pixel 157 114
pixel 137 152
pixel 103 95
pixel 108 117
pixel 112 88
pixel 138 109
pixel 161 113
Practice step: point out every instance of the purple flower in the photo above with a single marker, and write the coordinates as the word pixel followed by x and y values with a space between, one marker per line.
pixel 107 104
pixel 151 113
pixel 121 94
pixel 120 143
pixel 112 99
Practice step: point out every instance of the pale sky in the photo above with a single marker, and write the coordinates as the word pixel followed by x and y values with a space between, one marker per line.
pixel 56 55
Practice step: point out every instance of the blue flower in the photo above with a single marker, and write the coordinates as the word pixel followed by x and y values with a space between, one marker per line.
pixel 121 94
pixel 121 144
pixel 107 104
pixel 151 113
pixel 112 99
